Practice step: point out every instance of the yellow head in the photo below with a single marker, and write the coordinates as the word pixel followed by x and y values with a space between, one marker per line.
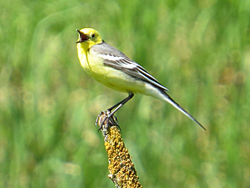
pixel 87 38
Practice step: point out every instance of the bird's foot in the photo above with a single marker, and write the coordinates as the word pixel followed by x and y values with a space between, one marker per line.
pixel 106 118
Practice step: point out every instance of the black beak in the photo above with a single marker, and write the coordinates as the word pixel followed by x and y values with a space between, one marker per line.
pixel 83 37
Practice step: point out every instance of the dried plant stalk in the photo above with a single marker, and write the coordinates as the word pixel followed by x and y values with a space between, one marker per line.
pixel 121 168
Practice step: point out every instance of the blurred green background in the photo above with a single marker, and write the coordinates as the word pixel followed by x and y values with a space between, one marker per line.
pixel 198 49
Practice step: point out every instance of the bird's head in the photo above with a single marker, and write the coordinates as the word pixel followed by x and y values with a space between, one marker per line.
pixel 88 37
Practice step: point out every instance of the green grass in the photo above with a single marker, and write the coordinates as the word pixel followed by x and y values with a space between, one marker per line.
pixel 198 49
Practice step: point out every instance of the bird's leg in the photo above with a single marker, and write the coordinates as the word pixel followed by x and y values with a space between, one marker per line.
pixel 110 113
pixel 121 103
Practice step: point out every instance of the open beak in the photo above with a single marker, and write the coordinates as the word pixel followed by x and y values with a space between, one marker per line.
pixel 82 37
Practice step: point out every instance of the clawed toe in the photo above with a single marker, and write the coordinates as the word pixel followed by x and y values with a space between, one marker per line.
pixel 106 118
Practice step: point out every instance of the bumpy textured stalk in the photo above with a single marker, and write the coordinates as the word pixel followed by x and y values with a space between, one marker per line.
pixel 121 168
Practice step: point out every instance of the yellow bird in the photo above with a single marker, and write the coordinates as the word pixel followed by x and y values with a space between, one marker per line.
pixel 114 69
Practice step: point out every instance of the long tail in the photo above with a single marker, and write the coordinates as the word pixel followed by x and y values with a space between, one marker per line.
pixel 176 105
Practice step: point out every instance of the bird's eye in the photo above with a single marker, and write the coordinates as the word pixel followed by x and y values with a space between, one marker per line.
pixel 93 35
